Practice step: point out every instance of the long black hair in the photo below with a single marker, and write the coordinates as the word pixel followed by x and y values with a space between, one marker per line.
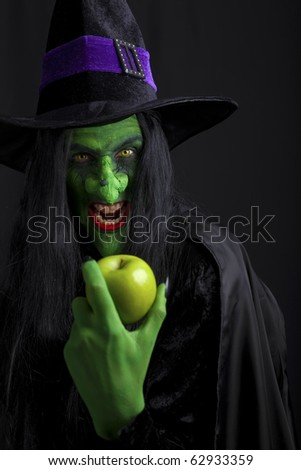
pixel 42 407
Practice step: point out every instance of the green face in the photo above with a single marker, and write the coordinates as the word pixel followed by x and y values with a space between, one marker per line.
pixel 101 170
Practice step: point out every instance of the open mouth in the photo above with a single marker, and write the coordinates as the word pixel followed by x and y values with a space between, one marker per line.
pixel 109 217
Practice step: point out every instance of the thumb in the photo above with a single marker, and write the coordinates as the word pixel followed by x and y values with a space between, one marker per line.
pixel 150 328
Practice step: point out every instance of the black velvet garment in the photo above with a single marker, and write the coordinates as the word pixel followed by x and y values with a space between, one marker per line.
pixel 180 388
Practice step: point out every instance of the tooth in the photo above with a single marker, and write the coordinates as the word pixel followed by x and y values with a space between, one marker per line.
pixel 108 208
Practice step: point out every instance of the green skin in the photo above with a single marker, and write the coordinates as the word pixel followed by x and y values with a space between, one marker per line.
pixel 96 153
pixel 108 363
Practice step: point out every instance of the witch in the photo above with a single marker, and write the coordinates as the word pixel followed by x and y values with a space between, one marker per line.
pixel 207 366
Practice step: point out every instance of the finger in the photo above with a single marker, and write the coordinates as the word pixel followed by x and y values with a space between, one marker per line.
pixel 150 328
pixel 82 311
pixel 98 295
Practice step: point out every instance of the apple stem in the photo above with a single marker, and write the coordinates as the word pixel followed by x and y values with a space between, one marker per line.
pixel 121 263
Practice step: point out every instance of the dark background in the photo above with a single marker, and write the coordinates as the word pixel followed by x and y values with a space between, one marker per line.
pixel 247 50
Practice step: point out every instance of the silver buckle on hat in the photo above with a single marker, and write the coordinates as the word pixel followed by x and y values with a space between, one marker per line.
pixel 132 66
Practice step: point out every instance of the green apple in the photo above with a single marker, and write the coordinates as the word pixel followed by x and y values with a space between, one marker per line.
pixel 132 285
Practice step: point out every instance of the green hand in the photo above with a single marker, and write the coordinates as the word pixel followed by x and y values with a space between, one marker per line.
pixel 108 364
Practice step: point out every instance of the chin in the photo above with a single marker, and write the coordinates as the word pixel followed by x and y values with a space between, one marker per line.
pixel 107 243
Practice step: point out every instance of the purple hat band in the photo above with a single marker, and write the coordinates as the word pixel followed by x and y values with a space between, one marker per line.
pixel 96 54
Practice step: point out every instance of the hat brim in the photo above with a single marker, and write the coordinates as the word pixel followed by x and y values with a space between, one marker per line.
pixel 181 118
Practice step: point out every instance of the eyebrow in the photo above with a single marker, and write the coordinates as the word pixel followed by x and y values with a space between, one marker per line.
pixel 130 140
pixel 80 148
pixel 83 148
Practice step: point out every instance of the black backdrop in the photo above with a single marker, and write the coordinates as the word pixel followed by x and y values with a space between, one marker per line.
pixel 247 50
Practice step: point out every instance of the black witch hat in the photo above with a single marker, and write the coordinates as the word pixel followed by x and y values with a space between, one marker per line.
pixel 96 70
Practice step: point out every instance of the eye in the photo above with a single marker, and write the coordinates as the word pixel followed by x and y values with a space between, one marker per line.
pixel 126 153
pixel 81 157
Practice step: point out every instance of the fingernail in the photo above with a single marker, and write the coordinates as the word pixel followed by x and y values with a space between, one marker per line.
pixel 87 258
pixel 166 286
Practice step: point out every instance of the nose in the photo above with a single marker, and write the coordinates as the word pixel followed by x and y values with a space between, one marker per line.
pixel 105 169
pixel 106 184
